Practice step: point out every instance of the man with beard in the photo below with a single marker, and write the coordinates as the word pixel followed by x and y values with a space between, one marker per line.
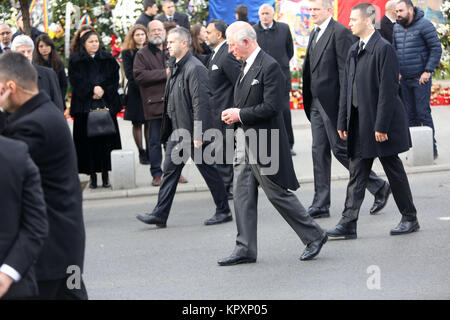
pixel 185 119
pixel 150 73
pixel 419 53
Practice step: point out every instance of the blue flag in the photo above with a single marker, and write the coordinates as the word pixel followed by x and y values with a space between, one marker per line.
pixel 225 9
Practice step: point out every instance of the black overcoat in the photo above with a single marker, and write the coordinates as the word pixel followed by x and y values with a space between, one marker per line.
pixel 23 217
pixel 44 129
pixel 134 110
pixel 379 105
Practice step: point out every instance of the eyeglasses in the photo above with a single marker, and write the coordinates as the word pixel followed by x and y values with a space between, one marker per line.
pixel 6 33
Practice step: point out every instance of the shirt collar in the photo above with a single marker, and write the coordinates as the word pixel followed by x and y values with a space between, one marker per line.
pixel 392 20
pixel 3 46
pixel 252 57
pixel 324 24
pixel 266 28
pixel 219 46
pixel 366 40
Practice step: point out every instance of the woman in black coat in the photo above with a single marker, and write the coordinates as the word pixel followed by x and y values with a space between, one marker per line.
pixel 94 78
pixel 46 55
pixel 134 112
pixel 199 48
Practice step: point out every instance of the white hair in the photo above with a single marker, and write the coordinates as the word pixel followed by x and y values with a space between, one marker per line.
pixel 390 5
pixel 265 6
pixel 22 40
pixel 183 34
pixel 325 3
pixel 240 30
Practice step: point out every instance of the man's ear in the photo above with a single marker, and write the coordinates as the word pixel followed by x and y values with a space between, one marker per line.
pixel 12 86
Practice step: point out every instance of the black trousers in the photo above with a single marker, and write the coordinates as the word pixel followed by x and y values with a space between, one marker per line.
pixel 169 183
pixel 58 290
pixel 359 176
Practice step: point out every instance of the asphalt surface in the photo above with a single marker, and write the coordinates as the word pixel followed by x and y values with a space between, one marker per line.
pixel 126 259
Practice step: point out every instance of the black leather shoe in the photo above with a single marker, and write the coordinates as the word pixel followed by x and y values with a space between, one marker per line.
pixel 105 180
pixel 232 260
pixel 343 231
pixel 317 213
pixel 313 249
pixel 93 181
pixel 405 227
pixel 381 198
pixel 219 218
pixel 152 219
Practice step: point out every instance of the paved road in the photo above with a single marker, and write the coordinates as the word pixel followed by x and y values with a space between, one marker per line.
pixel 126 259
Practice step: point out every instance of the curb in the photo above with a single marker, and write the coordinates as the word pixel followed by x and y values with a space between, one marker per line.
pixel 152 191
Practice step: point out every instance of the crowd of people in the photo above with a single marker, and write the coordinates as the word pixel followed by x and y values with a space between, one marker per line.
pixel 361 94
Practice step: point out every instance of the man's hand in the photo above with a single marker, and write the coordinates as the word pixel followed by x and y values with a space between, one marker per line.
pixel 98 92
pixel 381 137
pixel 4 94
pixel 198 143
pixel 230 115
pixel 5 282
pixel 343 134
pixel 425 77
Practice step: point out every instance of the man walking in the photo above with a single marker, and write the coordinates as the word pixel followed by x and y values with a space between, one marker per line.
pixel 35 120
pixel 373 119
pixel 257 96
pixel 419 52
pixel 275 39
pixel 223 70
pixel 323 76
pixel 186 110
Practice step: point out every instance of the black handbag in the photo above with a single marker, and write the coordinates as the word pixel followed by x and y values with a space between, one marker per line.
pixel 100 123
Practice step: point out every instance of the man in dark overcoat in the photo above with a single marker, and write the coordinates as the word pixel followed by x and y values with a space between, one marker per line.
pixel 373 118
pixel 23 218
pixel 35 120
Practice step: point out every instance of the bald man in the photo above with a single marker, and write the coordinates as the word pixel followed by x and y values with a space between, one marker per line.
pixel 388 21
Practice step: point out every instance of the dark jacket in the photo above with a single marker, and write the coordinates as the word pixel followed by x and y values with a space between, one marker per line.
pixel 277 42
pixel 62 80
pixel 133 108
pixel 48 82
pixel 34 34
pixel 259 96
pixel 144 19
pixel 44 129
pixel 179 18
pixel 418 46
pixel 86 72
pixel 149 71
pixel 203 57
pixel 187 98
pixel 324 68
pixel 223 71
pixel 379 105
pixel 386 28
pixel 23 218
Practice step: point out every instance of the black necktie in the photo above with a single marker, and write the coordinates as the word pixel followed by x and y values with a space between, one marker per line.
pixel 170 19
pixel 314 39
pixel 361 47
pixel 241 75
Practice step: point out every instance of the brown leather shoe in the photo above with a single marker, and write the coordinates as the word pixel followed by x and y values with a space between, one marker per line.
pixel 156 182
pixel 182 180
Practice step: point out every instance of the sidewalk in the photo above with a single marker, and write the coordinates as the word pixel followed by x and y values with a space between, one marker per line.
pixel 302 161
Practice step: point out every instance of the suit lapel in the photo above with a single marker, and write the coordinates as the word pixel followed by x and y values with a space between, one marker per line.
pixel 217 56
pixel 242 89
pixel 321 44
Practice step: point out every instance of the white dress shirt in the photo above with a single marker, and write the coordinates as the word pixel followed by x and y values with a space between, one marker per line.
pixel 323 27
pixel 265 28
pixel 216 49
pixel 10 272
pixel 366 40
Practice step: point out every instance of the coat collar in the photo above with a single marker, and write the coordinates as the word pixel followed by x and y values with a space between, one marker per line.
pixel 29 106
pixel 154 49
pixel 370 46
pixel 246 84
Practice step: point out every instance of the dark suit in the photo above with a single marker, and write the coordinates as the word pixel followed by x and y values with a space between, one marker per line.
pixel 44 129
pixel 23 218
pixel 277 42
pixel 258 96
pixel 223 71
pixel 323 76
pixel 48 82
pixel 179 18
pixel 386 28
pixel 376 107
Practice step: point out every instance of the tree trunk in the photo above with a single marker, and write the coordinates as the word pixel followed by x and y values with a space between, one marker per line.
pixel 24 7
